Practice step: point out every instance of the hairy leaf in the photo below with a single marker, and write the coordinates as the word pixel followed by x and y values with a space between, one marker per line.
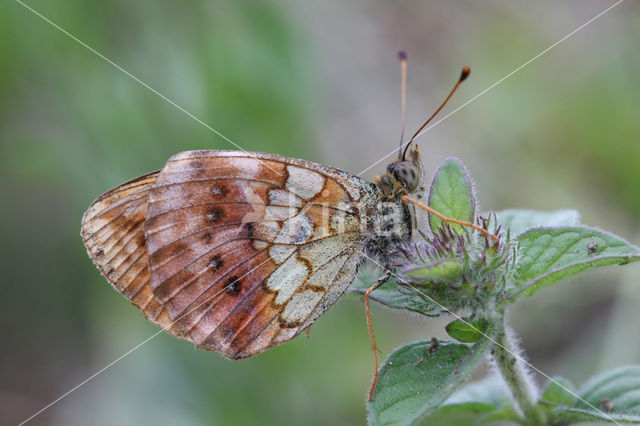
pixel 616 390
pixel 609 397
pixel 459 414
pixel 485 393
pixel 577 415
pixel 549 254
pixel 521 220
pixel 452 194
pixel 490 390
pixel 559 391
pixel 467 332
pixel 442 271
pixel 418 377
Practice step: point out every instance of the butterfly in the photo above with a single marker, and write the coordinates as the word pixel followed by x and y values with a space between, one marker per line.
pixel 238 252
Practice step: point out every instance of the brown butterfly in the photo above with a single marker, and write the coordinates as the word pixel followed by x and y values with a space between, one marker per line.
pixel 238 252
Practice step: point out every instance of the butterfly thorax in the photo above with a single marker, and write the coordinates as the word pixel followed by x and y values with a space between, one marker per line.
pixel 395 221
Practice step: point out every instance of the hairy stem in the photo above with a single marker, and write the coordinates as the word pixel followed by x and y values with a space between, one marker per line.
pixel 513 371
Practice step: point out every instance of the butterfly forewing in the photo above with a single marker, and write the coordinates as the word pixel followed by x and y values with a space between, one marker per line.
pixel 246 250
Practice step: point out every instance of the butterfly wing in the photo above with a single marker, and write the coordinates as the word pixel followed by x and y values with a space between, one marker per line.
pixel 246 250
pixel 113 232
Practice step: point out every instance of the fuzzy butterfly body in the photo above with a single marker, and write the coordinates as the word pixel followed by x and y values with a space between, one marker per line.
pixel 238 252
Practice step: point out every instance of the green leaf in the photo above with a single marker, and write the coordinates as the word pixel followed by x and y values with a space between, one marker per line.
pixel 452 194
pixel 459 414
pixel 611 397
pixel 441 272
pixel 576 415
pixel 467 332
pixel 521 220
pixel 503 417
pixel 547 255
pixel 560 391
pixel 619 387
pixel 490 390
pixel 416 379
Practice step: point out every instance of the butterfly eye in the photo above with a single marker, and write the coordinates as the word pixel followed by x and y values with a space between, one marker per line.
pixel 407 173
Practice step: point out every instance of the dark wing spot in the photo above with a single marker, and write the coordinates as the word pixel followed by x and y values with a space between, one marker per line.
pixel 197 167
pixel 110 271
pixel 227 332
pixel 233 286
pixel 207 237
pixel 141 239
pixel 249 229
pixel 156 256
pixel 214 214
pixel 215 263
pixel 98 253
pixel 219 191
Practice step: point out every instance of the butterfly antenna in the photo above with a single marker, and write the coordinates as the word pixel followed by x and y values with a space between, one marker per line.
pixel 463 76
pixel 402 56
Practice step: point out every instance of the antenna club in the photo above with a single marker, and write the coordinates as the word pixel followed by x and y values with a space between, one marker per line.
pixel 402 55
pixel 464 74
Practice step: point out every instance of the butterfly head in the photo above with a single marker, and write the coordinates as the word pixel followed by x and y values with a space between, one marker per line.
pixel 403 176
pixel 408 169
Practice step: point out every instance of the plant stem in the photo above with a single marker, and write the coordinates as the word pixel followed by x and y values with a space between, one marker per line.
pixel 508 361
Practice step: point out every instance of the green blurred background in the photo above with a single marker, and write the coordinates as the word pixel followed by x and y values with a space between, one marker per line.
pixel 317 80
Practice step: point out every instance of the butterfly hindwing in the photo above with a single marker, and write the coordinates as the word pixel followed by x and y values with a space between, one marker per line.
pixel 246 250
pixel 113 232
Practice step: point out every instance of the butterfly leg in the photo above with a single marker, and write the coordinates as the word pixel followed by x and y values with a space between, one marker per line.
pixel 444 218
pixel 372 339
